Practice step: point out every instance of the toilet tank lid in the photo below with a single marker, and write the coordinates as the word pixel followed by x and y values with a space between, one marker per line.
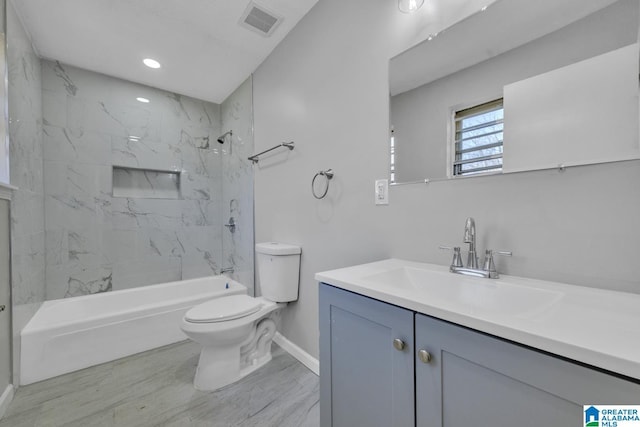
pixel 274 248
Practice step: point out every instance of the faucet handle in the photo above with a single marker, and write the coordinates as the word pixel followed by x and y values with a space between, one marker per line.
pixel 488 258
pixel 488 264
pixel 504 253
pixel 457 258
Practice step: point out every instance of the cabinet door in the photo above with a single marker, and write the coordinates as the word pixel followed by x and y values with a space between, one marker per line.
pixel 364 379
pixel 478 380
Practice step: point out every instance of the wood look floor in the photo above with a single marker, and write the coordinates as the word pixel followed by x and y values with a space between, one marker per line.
pixel 155 389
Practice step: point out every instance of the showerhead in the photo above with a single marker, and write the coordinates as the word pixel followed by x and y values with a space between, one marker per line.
pixel 222 137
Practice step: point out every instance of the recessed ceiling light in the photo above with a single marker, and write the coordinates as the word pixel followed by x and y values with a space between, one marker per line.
pixel 151 63
pixel 141 99
pixel 409 6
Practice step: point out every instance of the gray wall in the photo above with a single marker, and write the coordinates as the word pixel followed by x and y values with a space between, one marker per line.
pixel 96 242
pixel 237 183
pixel 328 91
pixel 26 154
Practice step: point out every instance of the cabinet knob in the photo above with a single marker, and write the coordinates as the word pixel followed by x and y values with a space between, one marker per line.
pixel 424 356
pixel 399 344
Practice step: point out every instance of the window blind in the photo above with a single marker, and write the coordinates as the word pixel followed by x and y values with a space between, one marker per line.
pixel 479 138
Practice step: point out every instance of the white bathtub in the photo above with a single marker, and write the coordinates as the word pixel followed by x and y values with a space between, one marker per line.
pixel 74 333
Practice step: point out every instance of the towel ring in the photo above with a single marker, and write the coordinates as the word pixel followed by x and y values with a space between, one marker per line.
pixel 328 174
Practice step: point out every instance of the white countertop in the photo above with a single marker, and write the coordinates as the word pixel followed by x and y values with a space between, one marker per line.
pixel 593 326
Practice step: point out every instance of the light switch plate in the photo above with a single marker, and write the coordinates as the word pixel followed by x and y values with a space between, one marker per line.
pixel 382 191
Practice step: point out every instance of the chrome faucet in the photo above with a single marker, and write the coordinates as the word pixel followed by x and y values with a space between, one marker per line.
pixel 488 269
pixel 470 238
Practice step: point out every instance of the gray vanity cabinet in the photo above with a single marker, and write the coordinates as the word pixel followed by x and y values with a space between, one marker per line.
pixel 450 376
pixel 476 379
pixel 365 381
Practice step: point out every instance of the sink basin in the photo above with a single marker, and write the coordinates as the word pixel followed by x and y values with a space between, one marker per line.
pixel 475 294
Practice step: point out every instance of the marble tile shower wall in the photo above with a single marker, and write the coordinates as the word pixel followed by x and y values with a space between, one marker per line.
pixel 237 195
pixel 26 154
pixel 96 242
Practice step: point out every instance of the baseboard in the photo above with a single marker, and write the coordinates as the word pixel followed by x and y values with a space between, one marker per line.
pixel 305 358
pixel 5 399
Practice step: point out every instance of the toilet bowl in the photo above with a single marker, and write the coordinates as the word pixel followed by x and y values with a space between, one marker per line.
pixel 235 343
pixel 236 331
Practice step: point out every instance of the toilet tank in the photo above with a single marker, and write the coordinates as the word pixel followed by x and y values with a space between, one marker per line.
pixel 278 270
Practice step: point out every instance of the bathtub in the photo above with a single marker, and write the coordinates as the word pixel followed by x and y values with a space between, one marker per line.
pixel 74 333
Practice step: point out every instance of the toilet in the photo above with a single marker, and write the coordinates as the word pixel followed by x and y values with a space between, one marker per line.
pixel 236 331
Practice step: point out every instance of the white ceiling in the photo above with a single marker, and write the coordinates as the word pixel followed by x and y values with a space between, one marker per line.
pixel 203 50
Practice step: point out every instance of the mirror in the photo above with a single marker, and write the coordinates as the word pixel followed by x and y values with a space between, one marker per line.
pixel 566 72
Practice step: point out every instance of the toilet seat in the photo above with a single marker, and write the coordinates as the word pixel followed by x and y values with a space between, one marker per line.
pixel 223 309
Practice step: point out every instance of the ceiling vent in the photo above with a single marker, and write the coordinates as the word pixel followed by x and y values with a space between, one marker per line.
pixel 259 19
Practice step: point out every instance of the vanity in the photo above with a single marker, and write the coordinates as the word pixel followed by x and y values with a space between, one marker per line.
pixel 411 344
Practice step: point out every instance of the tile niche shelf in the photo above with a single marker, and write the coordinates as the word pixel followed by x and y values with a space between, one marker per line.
pixel 145 183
